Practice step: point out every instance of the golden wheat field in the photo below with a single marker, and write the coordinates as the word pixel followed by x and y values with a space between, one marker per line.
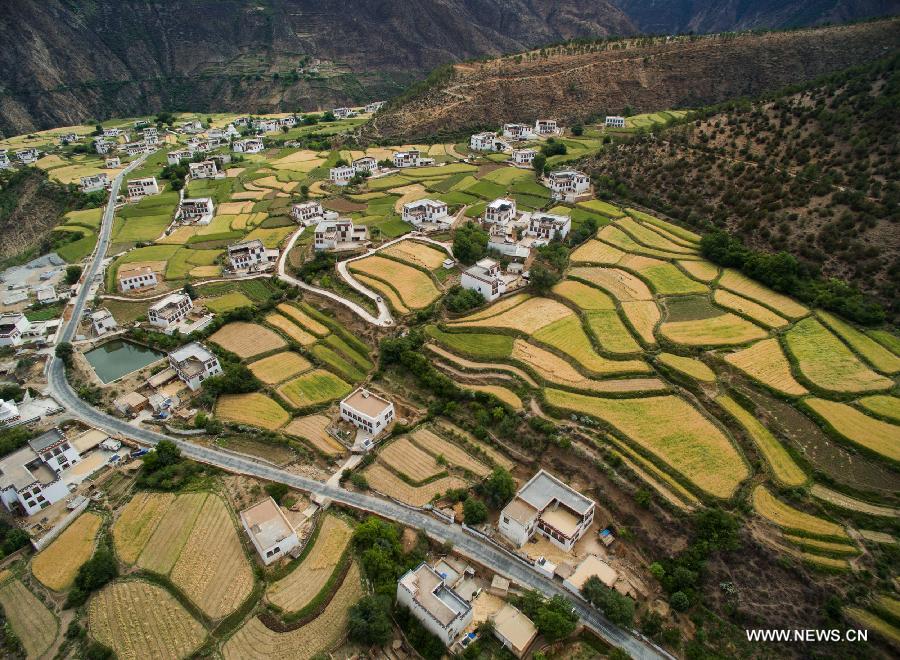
pixel 137 522
pixel 312 428
pixel 254 640
pixel 583 296
pixel 671 429
pixel 253 409
pixel 246 339
pixel 826 546
pixel 417 253
pixel 724 330
pixel 609 330
pixel 279 367
pixel 596 252
pixel 664 278
pixel 56 565
pixel 743 285
pixel 300 586
pixel 452 453
pixel 406 458
pixel 622 285
pixel 415 288
pixel 646 236
pixel 643 315
pixel 688 366
pixel 873 352
pixel 140 620
pixel 304 319
pixel 787 517
pixel 502 305
pixel 165 544
pixel 765 362
pixel 212 569
pixel 507 396
pixel 452 430
pixel 700 270
pixel 387 483
pixel 883 405
pixel 386 291
pixel 857 427
pixel 29 618
pixel 554 369
pixel 614 236
pixel 291 329
pixel 747 307
pixel 568 336
pixel 527 317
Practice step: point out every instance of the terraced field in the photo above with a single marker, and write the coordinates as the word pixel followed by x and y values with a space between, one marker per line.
pixel 247 339
pixel 314 387
pixel 29 618
pixel 57 565
pixel 791 519
pixel 253 408
pixel 765 362
pixel 414 288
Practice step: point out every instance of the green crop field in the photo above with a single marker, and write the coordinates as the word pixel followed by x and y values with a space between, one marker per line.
pixel 475 345
pixel 314 387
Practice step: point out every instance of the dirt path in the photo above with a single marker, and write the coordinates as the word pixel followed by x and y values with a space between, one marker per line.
pixel 480 366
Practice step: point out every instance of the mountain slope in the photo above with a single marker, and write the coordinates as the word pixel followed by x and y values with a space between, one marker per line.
pixel 574 82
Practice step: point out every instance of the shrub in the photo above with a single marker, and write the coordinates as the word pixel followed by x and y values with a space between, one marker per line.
pixel 370 621
pixel 474 511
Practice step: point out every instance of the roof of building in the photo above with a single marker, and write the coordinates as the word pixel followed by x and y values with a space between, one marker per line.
pixel 172 299
pixel 562 520
pixel 502 204
pixel 590 566
pixel 520 511
pixel 366 402
pixel 566 174
pixel 101 315
pixel 127 272
pixel 245 245
pixel 550 218
pixel 423 202
pixel 543 488
pixel 90 438
pixel 197 200
pixel 514 627
pixel 13 472
pixel 194 350
pixel 267 523
pixel 435 597
pixel 45 440
pixel 131 400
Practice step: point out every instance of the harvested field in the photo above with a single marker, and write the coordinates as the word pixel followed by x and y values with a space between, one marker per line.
pixel 851 503
pixel 312 428
pixel 611 333
pixel 291 329
pixel 29 618
pixel 725 330
pixel 494 455
pixel 623 285
pixel 700 270
pixel 528 317
pixel 212 569
pixel 755 311
pixel 172 532
pixel 815 545
pixel 735 281
pixel 234 208
pixel 860 429
pixel 387 483
pixel 414 287
pixel 417 253
pixel 454 454
pixel 137 522
pixel 567 335
pixel 873 352
pixel 827 362
pixel 254 640
pixel 253 408
pixel 279 367
pixel 498 307
pixel 314 387
pixel 690 367
pixel 406 458
pixel 664 278
pixel 304 319
pixel 247 339
pixel 643 315
pixel 583 296
pixel 765 362
pixel 385 290
pixel 882 405
pixel 137 619
pixel 56 565
pixel 789 518
pixel 507 396
pixel 785 470
pixel 671 429
pixel 557 370
pixel 596 252
pixel 301 585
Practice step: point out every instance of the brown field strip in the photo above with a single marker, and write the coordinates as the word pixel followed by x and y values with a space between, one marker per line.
pixel 387 483
pixel 291 329
pixel 312 429
pixel 454 454
pixel 743 285
pixel 622 285
pixel 304 319
pixel 246 339
pixel 137 522
pixel 172 532
pixel 414 287
pixel 747 307
pixel 851 503
pixel 279 367
pixel 29 618
pixel 765 362
pixel 57 564
pixel 527 317
pixel 406 458
pixel 417 253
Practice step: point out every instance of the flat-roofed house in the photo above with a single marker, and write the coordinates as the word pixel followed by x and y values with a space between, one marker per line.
pixel 613 121
pixel 13 327
pixel 132 278
pixel 28 156
pixel 547 506
pixel 566 185
pixel 307 213
pixel 197 211
pixel 194 363
pixel 138 188
pixel 151 135
pixel 546 127
pixel 517 131
pixel 112 132
pixel 411 158
pixel 248 146
pixel 514 630
pixel 133 148
pixel 102 321
pixel 30 477
pixel 365 164
pixel 367 411
pixel 170 310
pixel 441 610
pixel 175 157
pixel 341 175
pixel 205 169
pixel 113 161
pixel 485 278
pixel 4 159
pixel 94 182
pixel 269 530
pixel 374 106
pixel 69 138
pixel 500 211
pixel 102 146
pixel 482 141
pixel 246 254
pixel 546 226
pixel 425 211
pixel 55 450
pixel 523 156
pixel 591 566
pixel 339 234
pixel 342 113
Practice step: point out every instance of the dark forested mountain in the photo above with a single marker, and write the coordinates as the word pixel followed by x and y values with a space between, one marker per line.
pixel 66 61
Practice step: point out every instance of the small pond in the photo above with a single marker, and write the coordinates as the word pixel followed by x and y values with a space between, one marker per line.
pixel 116 358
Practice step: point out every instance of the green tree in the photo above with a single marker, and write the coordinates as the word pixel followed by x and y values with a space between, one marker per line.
pixel 538 163
pixel 370 621
pixel 542 279
pixel 276 491
pixel 470 243
pixel 555 619
pixel 498 488
pixel 680 601
pixel 459 299
pixel 73 274
pixel 64 352
pixel 474 511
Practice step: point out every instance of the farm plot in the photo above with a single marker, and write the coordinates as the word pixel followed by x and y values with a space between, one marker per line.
pixel 255 640
pixel 137 522
pixel 317 386
pixel 291 329
pixel 673 232
pixel 882 405
pixel 415 288
pixel 690 367
pixel 387 483
pixel 449 428
pixel 228 302
pixel 419 254
pixel 602 207
pixel 700 270
pixel 385 290
pixel 405 458
pixel 860 429
pixel 766 363
pixel 583 296
pixel 651 238
pixel 724 330
pixel 815 545
pixel 554 369
pixel 454 454
pixel 137 619
pixel 334 359
pixel 29 618
pixel 873 352
pixel 596 252
pixel 507 396
pixel 827 363
pixel 56 566
pixel 499 307
pixel 755 311
pixel 476 345
pixel 643 315
pixel 735 281
pixel 789 518
pixel 293 592
pixel 617 238
pixel 851 503
pixel 664 277
pixel 785 470
pixel 212 569
pixel 612 334
pixel 164 545
pixel 303 319
pixel 568 336
pixel 253 408
pixel 312 428
pixel 672 430
pixel 279 367
pixel 247 339
pixel 527 318
pixel 622 285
